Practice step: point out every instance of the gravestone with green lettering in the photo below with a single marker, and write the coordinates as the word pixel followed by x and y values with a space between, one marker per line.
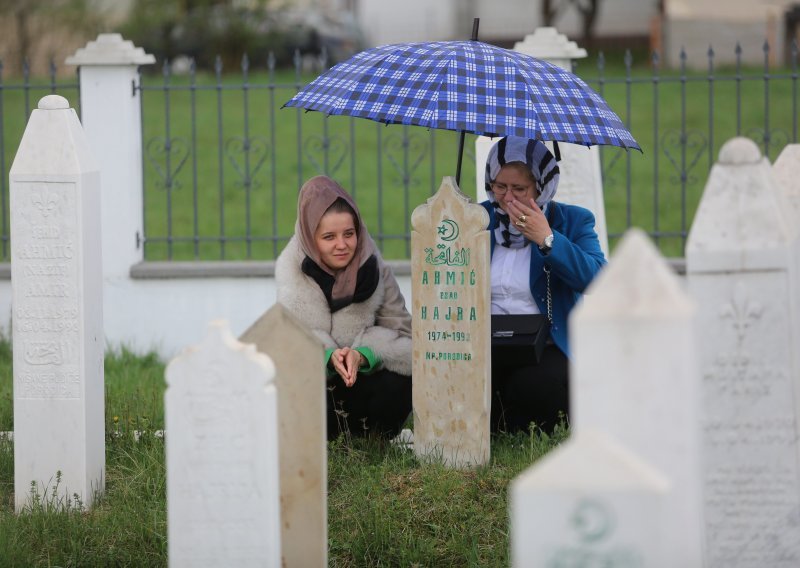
pixel 451 328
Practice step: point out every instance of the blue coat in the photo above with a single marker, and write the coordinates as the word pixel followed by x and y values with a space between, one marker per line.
pixel 574 261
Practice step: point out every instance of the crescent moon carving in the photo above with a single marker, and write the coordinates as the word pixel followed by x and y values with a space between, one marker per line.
pixel 448 230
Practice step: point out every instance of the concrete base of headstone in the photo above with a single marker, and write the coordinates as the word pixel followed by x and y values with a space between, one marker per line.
pixel 590 502
pixel 223 500
pixel 57 294
pixel 300 382
pixel 451 327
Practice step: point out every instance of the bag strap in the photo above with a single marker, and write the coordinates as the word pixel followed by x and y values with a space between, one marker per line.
pixel 549 296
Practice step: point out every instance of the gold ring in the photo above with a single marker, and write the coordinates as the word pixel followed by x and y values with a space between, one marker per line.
pixel 522 219
pixel 519 224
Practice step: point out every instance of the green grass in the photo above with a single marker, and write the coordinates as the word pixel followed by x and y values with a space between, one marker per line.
pixel 393 168
pixel 384 507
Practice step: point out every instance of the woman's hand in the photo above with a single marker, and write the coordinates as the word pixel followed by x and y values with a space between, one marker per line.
pixel 346 362
pixel 529 220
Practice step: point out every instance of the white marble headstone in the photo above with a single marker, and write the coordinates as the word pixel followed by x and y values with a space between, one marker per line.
pixel 301 386
pixel 591 502
pixel 787 173
pixel 634 376
pixel 739 267
pixel 451 325
pixel 56 278
pixel 223 500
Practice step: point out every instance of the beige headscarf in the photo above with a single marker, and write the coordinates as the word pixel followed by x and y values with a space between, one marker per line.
pixel 316 195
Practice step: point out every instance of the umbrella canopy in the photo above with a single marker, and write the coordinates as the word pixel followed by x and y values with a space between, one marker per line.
pixel 466 86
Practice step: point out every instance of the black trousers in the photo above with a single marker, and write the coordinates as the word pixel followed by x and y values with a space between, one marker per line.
pixel 378 403
pixel 536 393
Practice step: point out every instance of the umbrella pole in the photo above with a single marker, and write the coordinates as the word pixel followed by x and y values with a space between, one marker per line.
pixel 475 24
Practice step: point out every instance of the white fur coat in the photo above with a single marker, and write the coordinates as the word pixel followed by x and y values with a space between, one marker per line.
pixel 381 323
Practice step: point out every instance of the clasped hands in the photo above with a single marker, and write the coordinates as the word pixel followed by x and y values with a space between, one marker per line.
pixel 529 220
pixel 346 361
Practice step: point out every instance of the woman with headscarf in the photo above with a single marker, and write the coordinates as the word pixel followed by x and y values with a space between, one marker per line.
pixel 332 277
pixel 544 255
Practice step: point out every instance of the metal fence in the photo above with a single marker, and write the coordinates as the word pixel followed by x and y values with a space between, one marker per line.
pixel 222 162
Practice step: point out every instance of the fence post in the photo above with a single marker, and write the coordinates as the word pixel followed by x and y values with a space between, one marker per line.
pixel 581 181
pixel 111 117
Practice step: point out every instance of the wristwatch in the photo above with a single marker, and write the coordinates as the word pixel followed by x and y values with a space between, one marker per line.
pixel 547 244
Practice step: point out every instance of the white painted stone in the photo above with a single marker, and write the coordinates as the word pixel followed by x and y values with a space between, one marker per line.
pixel 111 116
pixel 451 325
pixel 300 382
pixel 591 502
pixel 634 375
pixel 59 423
pixel 223 505
pixel 787 173
pixel 581 181
pixel 740 266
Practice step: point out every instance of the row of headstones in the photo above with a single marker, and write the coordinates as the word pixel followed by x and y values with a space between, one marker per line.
pixel 684 447
pixel 642 393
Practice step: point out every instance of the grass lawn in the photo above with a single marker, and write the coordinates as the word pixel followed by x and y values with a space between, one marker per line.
pixel 384 507
pixel 227 186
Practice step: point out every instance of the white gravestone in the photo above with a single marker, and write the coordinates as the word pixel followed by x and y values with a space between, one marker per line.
pixel 787 173
pixel 581 181
pixel 634 375
pixel 221 419
pixel 590 502
pixel 57 298
pixel 451 325
pixel 739 257
pixel 300 381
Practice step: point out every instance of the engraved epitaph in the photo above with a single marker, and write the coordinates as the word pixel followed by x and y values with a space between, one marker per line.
pixel 451 328
pixel 222 455
pixel 739 268
pixel 57 309
pixel 634 376
pixel 300 383
pixel 590 502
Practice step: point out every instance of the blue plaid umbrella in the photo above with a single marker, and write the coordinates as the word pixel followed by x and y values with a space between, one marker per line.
pixel 466 86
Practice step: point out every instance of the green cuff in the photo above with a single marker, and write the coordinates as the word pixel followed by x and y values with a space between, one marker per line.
pixel 373 361
pixel 329 370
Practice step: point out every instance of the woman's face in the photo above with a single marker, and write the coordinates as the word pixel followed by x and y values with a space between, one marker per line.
pixel 517 182
pixel 336 239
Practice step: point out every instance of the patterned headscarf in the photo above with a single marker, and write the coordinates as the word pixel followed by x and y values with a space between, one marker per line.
pixel 316 196
pixel 542 164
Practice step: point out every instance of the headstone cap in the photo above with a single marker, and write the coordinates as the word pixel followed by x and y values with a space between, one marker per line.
pixel 110 49
pixel 547 43
pixel 739 151
pixel 53 102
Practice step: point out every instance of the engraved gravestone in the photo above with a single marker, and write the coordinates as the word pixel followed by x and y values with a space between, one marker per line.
pixel 222 455
pixel 451 328
pixel 634 376
pixel 739 269
pixel 590 502
pixel 57 299
pixel 300 384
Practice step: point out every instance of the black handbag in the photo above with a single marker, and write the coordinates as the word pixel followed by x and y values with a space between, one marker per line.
pixel 519 339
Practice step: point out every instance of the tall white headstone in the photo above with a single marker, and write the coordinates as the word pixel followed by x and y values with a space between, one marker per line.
pixel 581 180
pixel 591 502
pixel 301 385
pixel 739 268
pixel 57 299
pixel 634 375
pixel 223 500
pixel 451 361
